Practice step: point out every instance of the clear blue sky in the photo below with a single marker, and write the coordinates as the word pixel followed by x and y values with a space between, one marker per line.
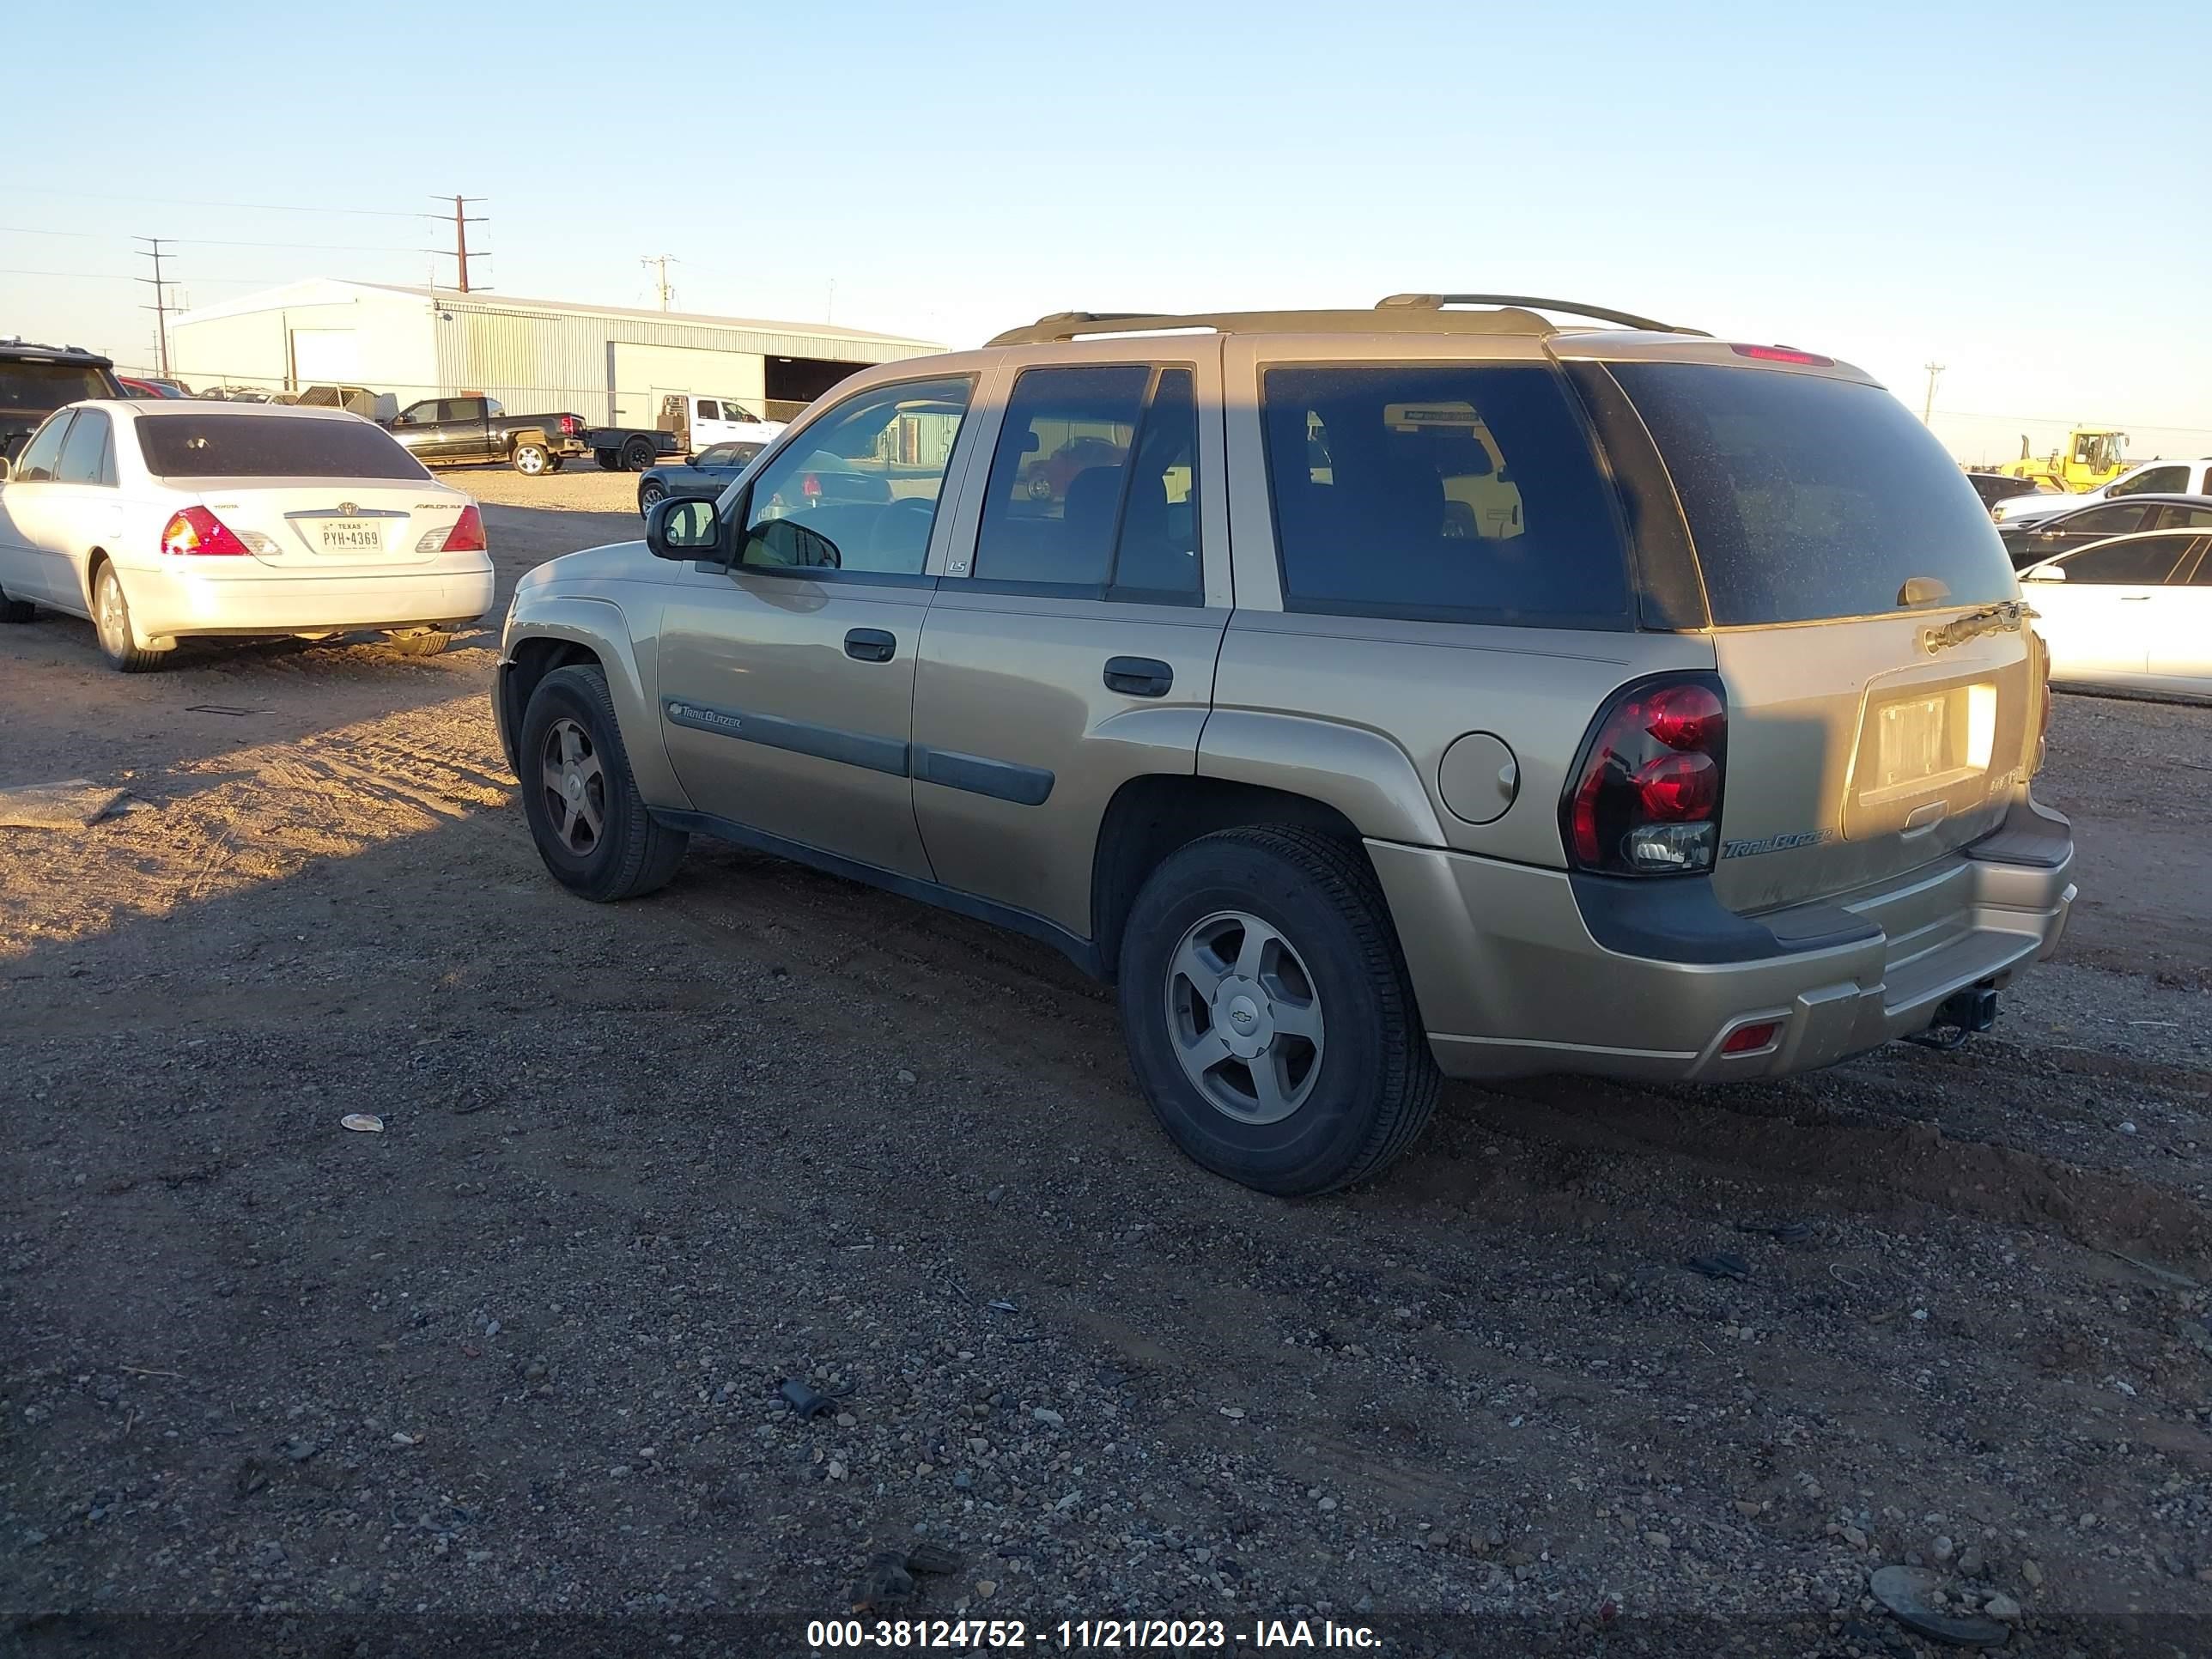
pixel 1896 184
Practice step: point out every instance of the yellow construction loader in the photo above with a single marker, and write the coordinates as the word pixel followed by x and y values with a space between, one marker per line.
pixel 2089 458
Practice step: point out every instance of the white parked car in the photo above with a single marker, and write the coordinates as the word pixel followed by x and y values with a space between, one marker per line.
pixel 2133 612
pixel 164 521
pixel 2147 478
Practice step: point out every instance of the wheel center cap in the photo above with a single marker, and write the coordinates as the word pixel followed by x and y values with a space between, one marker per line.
pixel 571 785
pixel 1245 1018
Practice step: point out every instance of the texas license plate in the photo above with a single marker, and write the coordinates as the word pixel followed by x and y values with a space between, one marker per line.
pixel 1910 746
pixel 351 536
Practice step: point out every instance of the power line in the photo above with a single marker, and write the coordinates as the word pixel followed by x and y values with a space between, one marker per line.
pixel 241 207
pixel 1927 405
pixel 112 276
pixel 661 262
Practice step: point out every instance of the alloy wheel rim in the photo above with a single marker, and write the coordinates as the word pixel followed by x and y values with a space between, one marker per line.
pixel 1245 1018
pixel 575 786
pixel 114 627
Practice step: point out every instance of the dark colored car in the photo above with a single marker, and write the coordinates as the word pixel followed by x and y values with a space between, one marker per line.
pixel 2046 538
pixel 1995 487
pixel 702 478
pixel 458 431
pixel 35 381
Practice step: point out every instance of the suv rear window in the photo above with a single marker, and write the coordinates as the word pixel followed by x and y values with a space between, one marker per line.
pixel 1449 491
pixel 1810 498
pixel 202 446
pixel 43 387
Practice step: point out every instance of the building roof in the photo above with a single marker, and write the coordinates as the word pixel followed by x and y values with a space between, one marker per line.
pixel 332 290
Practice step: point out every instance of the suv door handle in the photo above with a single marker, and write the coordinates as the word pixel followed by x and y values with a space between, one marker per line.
pixel 869 645
pixel 1138 676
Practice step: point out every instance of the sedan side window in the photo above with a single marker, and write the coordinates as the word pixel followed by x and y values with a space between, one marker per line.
pixel 858 490
pixel 2132 562
pixel 2181 518
pixel 2103 521
pixel 36 465
pixel 84 452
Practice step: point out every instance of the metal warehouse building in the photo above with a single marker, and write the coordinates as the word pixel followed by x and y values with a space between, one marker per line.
pixel 607 363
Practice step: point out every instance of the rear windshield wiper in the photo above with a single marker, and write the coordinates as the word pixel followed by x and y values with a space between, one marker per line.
pixel 2008 616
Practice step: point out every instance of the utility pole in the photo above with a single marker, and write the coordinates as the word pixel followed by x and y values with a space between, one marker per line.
pixel 661 261
pixel 161 307
pixel 1928 407
pixel 462 220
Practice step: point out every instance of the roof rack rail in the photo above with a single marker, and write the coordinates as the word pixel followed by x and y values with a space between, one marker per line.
pixel 1411 314
pixel 1572 307
pixel 1064 326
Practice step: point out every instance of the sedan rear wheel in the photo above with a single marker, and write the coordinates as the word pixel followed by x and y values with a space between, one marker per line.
pixel 110 618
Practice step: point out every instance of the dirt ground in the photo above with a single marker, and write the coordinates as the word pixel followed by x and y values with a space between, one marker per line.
pixel 504 1377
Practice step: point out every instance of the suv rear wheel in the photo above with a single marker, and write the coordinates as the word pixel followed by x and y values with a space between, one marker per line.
pixel 1269 1017
pixel 590 822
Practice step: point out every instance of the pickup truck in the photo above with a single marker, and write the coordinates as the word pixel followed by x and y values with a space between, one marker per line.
pixel 35 381
pixel 455 431
pixel 688 425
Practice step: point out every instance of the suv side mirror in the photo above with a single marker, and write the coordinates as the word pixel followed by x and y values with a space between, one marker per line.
pixel 2045 573
pixel 683 530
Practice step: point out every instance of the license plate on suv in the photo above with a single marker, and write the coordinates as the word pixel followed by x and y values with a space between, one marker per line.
pixel 350 536
pixel 1925 744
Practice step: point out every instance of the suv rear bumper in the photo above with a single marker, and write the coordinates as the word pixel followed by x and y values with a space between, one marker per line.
pixel 1521 970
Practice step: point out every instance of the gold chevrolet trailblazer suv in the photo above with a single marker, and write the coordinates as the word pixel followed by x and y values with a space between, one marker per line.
pixel 1369 695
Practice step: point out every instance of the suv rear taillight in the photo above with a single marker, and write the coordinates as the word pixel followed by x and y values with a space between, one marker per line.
pixel 195 531
pixel 1644 798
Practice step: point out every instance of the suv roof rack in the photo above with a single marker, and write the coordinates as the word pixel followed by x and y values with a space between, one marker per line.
pixel 1572 307
pixel 1410 313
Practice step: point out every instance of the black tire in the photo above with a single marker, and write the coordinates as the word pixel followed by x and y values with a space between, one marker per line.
pixel 429 643
pixel 553 463
pixel 18 610
pixel 608 461
pixel 1377 1082
pixel 116 641
pixel 638 454
pixel 530 459
pixel 633 854
pixel 647 493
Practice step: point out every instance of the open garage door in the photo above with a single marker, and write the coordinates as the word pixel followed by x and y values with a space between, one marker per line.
pixel 325 356
pixel 792 383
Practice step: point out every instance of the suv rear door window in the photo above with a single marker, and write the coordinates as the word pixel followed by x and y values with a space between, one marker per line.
pixel 212 446
pixel 1094 488
pixel 1809 498
pixel 1451 492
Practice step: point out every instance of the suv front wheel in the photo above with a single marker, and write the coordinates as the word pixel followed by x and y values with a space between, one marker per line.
pixel 591 824
pixel 1270 1019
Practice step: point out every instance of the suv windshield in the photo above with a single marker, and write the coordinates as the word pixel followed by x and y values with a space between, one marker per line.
pixel 205 445
pixel 1810 498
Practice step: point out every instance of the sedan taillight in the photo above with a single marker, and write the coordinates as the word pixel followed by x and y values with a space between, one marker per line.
pixel 195 532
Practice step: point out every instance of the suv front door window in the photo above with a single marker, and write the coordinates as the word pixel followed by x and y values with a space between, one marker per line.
pixel 787 678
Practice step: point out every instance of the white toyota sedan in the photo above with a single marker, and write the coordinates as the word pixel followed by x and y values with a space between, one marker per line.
pixel 167 520
pixel 2132 612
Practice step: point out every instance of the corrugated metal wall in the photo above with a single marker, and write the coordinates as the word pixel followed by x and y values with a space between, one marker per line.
pixel 543 362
